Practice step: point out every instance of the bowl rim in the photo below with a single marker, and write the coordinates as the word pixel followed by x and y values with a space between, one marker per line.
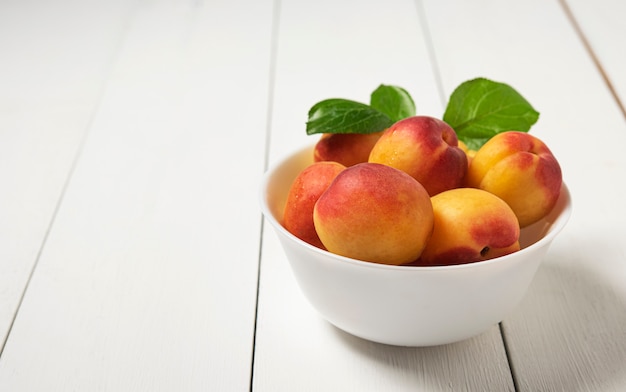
pixel 565 199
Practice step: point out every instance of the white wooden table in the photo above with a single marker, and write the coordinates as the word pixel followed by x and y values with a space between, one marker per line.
pixel 133 137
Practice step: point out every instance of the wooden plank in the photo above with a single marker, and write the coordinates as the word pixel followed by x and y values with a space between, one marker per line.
pixel 601 24
pixel 569 332
pixel 51 79
pixel 346 49
pixel 297 350
pixel 148 277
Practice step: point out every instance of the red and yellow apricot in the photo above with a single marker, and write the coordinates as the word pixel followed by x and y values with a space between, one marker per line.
pixel 469 153
pixel 427 149
pixel 470 225
pixel 521 170
pixel 345 148
pixel 303 194
pixel 375 213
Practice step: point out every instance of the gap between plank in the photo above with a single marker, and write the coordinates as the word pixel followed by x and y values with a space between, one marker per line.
pixel 55 212
pixel 268 138
pixel 430 48
pixel 68 179
pixel 596 61
pixel 507 352
pixel 273 56
pixel 421 11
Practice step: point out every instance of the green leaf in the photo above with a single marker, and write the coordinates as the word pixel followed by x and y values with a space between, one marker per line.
pixel 394 101
pixel 344 116
pixel 480 108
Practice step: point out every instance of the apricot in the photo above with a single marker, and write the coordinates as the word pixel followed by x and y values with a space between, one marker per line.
pixel 521 170
pixel 345 148
pixel 469 153
pixel 375 213
pixel 303 194
pixel 427 149
pixel 470 225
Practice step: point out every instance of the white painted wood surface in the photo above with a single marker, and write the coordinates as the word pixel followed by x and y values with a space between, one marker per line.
pixel 570 332
pixel 295 350
pixel 147 280
pixel 133 136
pixel 51 79
pixel 603 28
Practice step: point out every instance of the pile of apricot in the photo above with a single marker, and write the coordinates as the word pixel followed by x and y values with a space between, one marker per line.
pixel 414 195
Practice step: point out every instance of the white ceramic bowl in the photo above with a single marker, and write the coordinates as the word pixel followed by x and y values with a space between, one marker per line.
pixel 408 305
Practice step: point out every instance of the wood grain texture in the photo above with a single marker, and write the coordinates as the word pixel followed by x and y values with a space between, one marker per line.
pixel 569 334
pixel 331 50
pixel 148 278
pixel 51 79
